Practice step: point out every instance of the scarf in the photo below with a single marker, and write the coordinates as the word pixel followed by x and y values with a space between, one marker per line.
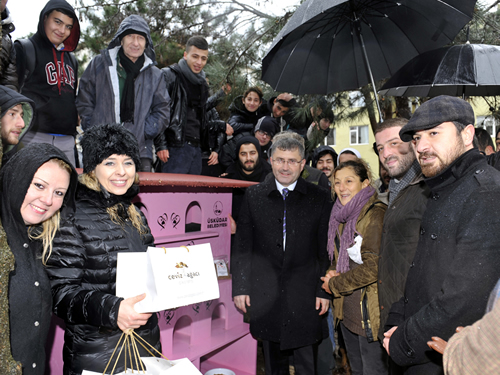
pixel 347 215
pixel 127 102
pixel 195 79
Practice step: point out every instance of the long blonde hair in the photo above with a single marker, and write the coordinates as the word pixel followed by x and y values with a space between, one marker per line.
pixel 50 226
pixel 90 180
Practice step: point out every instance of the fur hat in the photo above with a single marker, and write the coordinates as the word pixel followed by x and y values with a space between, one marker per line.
pixel 102 141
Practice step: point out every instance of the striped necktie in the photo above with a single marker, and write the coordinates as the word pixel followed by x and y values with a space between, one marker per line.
pixel 285 194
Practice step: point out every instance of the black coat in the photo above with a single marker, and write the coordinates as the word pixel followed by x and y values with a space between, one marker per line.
pixel 82 272
pixel 30 299
pixel 241 119
pixel 457 262
pixel 400 237
pixel 283 285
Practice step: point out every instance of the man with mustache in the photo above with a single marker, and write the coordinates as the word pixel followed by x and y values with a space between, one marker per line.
pixel 278 258
pixel 249 166
pixel 325 159
pixel 457 260
pixel 408 195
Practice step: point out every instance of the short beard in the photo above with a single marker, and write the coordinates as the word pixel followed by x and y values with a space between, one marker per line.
pixel 327 174
pixel 249 169
pixel 405 163
pixel 436 169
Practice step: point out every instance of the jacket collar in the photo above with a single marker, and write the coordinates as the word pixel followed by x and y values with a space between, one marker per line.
pixel 461 167
pixel 271 189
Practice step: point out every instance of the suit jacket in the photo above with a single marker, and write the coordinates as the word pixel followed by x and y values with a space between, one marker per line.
pixel 283 283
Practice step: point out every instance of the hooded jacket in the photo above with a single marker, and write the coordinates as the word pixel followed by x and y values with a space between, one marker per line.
pixel 30 298
pixel 82 272
pixel 53 90
pixel 8 99
pixel 99 94
pixel 241 119
pixel 323 150
pixel 8 72
pixel 235 172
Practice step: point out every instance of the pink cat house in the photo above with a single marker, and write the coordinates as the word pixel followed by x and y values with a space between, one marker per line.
pixel 189 210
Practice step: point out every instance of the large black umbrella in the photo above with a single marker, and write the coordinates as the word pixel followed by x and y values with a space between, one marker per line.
pixel 326 44
pixel 462 70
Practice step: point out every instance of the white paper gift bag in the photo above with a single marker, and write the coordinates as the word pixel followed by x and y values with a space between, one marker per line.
pixel 170 277
pixel 126 350
pixel 159 366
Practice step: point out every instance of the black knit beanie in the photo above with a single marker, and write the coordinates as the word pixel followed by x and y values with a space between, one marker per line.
pixel 102 141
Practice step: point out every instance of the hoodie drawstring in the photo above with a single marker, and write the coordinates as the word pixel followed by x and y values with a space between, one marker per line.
pixel 58 72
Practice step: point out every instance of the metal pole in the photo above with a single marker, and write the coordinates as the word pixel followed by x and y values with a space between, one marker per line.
pixel 367 61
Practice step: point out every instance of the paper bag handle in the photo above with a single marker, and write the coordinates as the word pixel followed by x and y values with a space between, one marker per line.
pixel 129 335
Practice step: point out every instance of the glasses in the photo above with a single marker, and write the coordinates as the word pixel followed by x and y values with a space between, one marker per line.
pixel 290 162
pixel 264 134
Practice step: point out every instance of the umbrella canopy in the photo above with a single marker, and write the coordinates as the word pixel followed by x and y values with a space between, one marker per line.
pixel 320 51
pixel 463 70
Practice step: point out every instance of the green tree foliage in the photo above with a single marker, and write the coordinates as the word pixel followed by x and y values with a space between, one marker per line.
pixel 238 35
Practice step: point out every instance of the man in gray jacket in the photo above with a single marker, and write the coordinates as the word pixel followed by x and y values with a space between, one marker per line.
pixel 123 85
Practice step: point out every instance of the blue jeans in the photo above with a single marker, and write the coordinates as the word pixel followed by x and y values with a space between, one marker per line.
pixel 185 159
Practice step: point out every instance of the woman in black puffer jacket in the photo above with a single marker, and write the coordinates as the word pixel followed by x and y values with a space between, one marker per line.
pixel 244 110
pixel 82 267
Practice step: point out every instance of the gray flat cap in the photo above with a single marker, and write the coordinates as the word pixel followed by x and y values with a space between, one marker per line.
pixel 436 111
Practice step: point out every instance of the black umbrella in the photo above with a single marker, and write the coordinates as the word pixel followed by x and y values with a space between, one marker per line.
pixel 325 45
pixel 463 70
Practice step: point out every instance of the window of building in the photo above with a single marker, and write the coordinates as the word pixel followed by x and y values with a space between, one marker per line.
pixel 359 135
pixel 489 123
pixel 330 139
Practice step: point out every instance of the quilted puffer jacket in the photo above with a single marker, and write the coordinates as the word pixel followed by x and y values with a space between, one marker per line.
pixel 82 272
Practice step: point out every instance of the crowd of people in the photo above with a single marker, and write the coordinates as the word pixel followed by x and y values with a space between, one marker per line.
pixel 319 249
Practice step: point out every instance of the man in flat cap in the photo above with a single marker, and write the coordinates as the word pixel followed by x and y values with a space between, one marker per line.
pixel 457 262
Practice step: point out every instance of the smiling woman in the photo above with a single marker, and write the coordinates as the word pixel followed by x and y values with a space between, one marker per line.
pixel 82 268
pixel 354 234
pixel 36 193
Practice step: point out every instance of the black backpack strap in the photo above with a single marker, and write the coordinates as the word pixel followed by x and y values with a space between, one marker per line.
pixel 26 53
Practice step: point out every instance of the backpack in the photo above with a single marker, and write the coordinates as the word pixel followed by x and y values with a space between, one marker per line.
pixel 25 70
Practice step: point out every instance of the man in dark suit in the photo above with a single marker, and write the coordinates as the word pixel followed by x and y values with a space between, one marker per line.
pixel 279 257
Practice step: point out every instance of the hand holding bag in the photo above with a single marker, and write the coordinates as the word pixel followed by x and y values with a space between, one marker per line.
pixel 170 277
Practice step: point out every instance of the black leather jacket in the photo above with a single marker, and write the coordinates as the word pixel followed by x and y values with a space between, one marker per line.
pixel 174 135
pixel 8 71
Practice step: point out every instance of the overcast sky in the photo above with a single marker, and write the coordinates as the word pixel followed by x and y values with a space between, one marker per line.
pixel 25 13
